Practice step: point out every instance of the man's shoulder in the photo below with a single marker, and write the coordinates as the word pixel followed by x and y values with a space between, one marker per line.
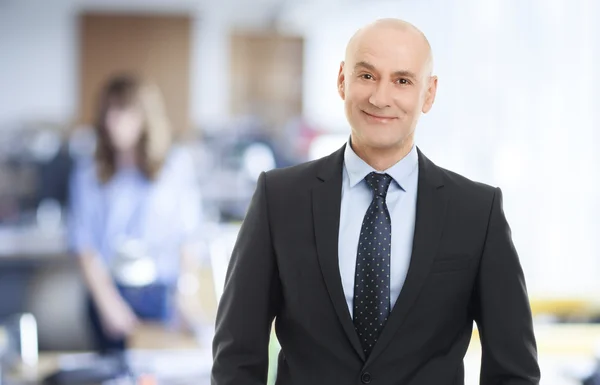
pixel 464 190
pixel 300 174
pixel 460 182
pixel 467 194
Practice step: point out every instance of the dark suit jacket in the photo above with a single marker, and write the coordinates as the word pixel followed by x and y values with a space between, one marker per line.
pixel 463 268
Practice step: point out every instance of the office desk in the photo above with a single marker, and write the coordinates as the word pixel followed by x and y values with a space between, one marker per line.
pixel 565 351
pixel 169 352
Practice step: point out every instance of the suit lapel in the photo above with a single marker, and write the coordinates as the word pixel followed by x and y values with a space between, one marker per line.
pixel 326 200
pixel 430 213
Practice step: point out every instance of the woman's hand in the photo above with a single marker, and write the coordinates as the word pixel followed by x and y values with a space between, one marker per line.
pixel 117 317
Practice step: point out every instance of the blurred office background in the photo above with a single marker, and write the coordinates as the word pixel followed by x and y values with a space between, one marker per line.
pixel 249 86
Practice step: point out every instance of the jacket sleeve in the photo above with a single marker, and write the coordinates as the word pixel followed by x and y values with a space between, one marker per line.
pixel 503 314
pixel 249 302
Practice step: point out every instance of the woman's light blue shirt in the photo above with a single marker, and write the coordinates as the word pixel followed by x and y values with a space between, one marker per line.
pixel 164 214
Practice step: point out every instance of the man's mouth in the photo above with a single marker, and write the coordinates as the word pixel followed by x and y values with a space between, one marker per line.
pixel 381 118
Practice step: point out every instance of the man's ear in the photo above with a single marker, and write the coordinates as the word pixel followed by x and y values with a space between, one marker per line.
pixel 341 85
pixel 430 95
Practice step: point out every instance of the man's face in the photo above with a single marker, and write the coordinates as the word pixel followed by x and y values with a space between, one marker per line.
pixel 385 83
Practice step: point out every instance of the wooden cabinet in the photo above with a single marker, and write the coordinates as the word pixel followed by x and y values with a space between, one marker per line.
pixel 266 76
pixel 156 46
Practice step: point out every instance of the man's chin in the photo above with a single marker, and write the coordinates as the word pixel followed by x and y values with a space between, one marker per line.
pixel 384 143
pixel 380 138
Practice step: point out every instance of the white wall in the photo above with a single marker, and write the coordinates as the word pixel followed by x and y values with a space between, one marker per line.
pixel 37 61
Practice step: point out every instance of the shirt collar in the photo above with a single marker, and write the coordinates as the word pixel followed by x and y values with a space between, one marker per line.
pixel 358 169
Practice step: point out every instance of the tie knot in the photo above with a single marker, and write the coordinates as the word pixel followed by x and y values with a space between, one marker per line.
pixel 379 183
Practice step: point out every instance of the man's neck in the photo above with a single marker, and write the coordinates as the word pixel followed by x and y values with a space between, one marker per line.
pixel 383 158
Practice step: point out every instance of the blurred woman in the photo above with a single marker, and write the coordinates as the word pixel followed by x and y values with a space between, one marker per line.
pixel 134 209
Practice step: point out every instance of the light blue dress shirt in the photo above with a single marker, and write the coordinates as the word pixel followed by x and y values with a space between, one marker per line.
pixel 356 198
pixel 164 213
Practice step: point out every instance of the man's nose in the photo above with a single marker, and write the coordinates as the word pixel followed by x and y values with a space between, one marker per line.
pixel 381 96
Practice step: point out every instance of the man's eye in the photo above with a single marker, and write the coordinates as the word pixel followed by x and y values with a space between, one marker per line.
pixel 367 76
pixel 403 81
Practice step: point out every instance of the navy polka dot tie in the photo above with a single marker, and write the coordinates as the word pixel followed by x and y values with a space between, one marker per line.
pixel 372 280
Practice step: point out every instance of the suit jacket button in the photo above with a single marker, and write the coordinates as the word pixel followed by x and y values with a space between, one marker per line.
pixel 365 378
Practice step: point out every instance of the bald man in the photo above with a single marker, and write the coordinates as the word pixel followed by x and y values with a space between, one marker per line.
pixel 373 261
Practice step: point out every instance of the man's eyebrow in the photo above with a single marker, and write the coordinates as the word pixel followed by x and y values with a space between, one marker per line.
pixel 371 67
pixel 405 73
pixel 366 65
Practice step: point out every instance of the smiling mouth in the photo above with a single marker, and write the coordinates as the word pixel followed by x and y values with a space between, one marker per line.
pixel 379 117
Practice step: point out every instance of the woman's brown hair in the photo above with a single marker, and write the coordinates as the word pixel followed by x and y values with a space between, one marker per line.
pixel 126 91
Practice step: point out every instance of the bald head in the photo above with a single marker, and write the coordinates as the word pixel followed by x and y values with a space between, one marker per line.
pixel 396 30
pixel 386 84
